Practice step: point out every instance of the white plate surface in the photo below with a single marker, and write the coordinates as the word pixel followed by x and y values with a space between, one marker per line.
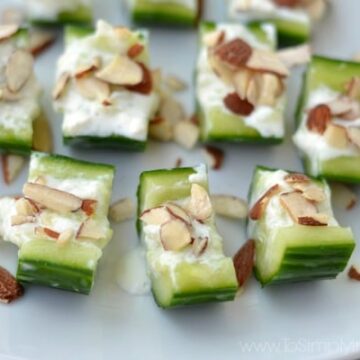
pixel 318 320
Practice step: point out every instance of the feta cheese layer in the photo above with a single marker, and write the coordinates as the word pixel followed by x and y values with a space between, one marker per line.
pixel 314 145
pixel 129 112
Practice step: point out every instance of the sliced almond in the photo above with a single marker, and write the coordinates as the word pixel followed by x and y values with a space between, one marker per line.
pixel 89 229
pixel 200 206
pixel 25 207
pixel 92 88
pixel 123 33
pixel 186 134
pixel 354 273
pixel 178 212
pixel 8 30
pixel 121 71
pixel 40 40
pixel 319 118
pixel 9 96
pixel 84 70
pixel 287 3
pixel 214 157
pixel 235 53
pixel 297 206
pixel 344 107
pixel 47 232
pixel 253 92
pixel 156 216
pixel 336 136
pixel 267 61
pixel 174 83
pixel 314 220
pixel 175 235
pixel 229 206
pixel 343 197
pixel 21 219
pixel 60 86
pixel 135 50
pixel 296 178
pixel 42 134
pixel 65 237
pixel 241 81
pixel 10 289
pixel 294 56
pixel 237 105
pixel 199 246
pixel 353 88
pixel 11 166
pixel 221 70
pixel 353 134
pixel 310 191
pixel 161 129
pixel 52 199
pixel 214 38
pixel 258 209
pixel 18 69
pixel 244 261
pixel 270 88
pixel 88 206
pixel 157 80
pixel 122 210
pixel 171 110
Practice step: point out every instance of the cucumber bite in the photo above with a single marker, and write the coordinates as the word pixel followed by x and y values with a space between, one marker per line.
pixel 20 92
pixel 104 87
pixel 240 84
pixel 293 19
pixel 328 120
pixel 167 12
pixel 297 236
pixel 184 251
pixel 60 221
pixel 59 12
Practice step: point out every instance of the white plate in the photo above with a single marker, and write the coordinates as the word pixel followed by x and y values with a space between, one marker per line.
pixel 317 320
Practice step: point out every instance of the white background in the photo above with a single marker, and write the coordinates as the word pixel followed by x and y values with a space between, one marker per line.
pixel 318 320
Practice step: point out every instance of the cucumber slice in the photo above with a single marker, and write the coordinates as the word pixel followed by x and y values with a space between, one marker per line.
pixel 163 13
pixel 219 124
pixel 332 74
pixel 289 252
pixel 208 278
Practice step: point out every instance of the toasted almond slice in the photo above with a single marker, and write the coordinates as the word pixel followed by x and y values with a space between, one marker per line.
pixel 336 136
pixel 244 261
pixel 186 134
pixel 88 206
pixel 314 220
pixel 18 69
pixel 65 237
pixel 60 86
pixel 10 289
pixel 53 199
pixel 157 79
pixel 241 81
pixel 40 40
pixel 8 30
pixel 175 83
pixel 90 229
pixel 156 216
pixel 223 71
pixel 229 206
pixel 342 106
pixel 343 197
pixel 46 232
pixel 25 207
pixel 259 207
pixel 287 3
pixel 178 212
pixel 121 71
pixel 214 38
pixel 123 33
pixel 42 134
pixel 316 9
pixel 253 92
pixel 235 53
pixel 267 61
pixel 310 191
pixel 293 178
pixel 135 50
pixel 319 118
pixel 354 135
pixel 237 105
pixel 7 95
pixel 122 210
pixel 297 206
pixel 354 273
pixel 172 110
pixel 161 129
pixel 84 70
pixel 200 206
pixel 199 246
pixel 352 88
pixel 21 219
pixel 11 166
pixel 294 56
pixel 214 156
pixel 145 86
pixel 175 235
pixel 270 88
pixel 92 88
